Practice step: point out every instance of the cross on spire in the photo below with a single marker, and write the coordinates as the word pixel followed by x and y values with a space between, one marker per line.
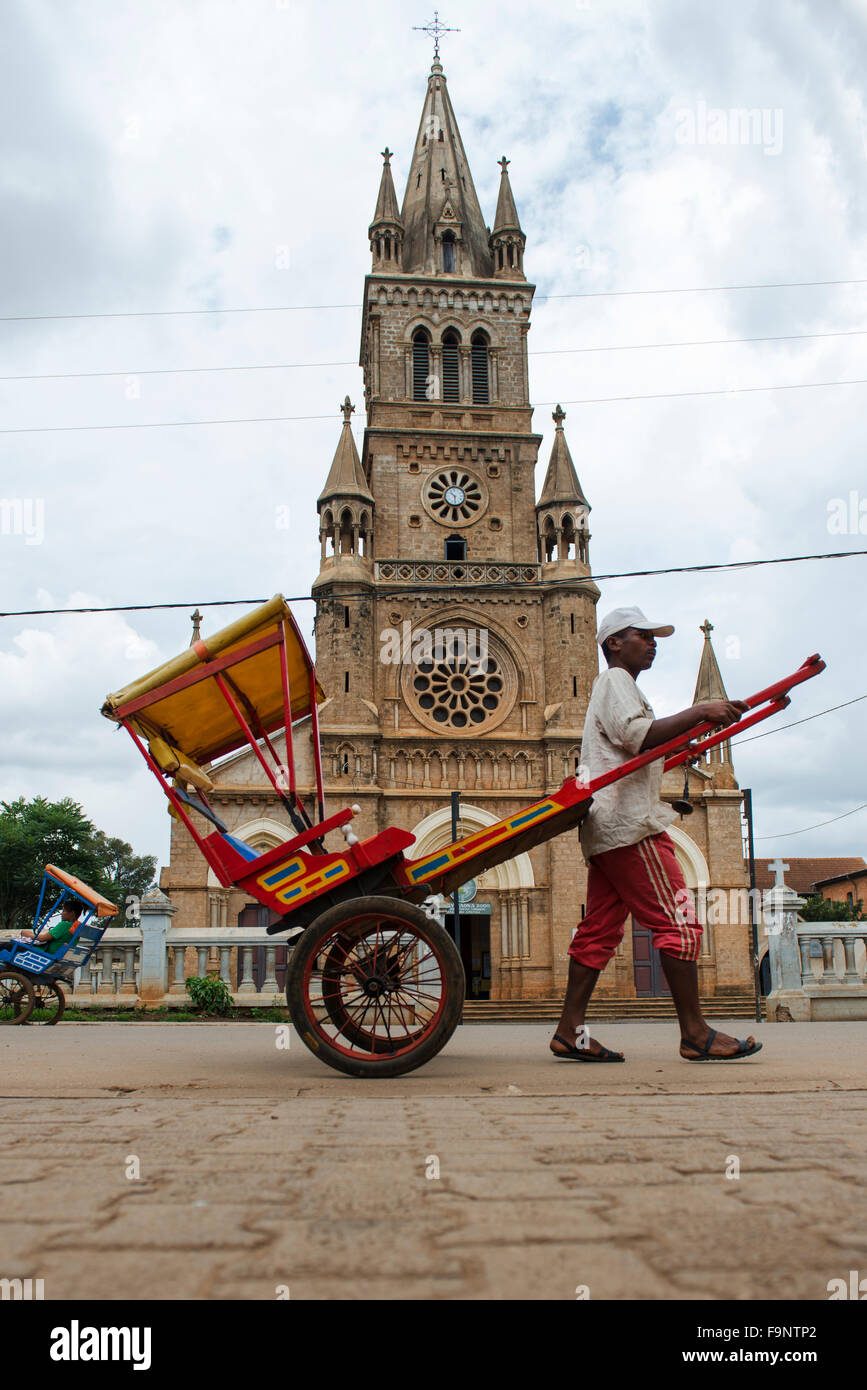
pixel 386 154
pixel 559 416
pixel 778 868
pixel 707 628
pixel 435 29
pixel 504 163
pixel 348 409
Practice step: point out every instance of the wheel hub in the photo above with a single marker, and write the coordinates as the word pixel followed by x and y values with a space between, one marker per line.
pixel 375 985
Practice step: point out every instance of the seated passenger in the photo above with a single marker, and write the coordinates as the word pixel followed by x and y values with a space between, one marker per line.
pixel 51 939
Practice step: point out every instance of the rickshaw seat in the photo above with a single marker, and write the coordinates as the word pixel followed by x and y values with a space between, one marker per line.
pixel 175 763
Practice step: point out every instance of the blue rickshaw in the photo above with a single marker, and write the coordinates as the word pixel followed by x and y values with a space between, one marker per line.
pixel 30 976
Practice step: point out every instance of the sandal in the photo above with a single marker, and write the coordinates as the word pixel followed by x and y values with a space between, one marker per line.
pixel 582 1054
pixel 745 1049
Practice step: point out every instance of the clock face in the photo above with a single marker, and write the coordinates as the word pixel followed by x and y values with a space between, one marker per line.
pixel 454 496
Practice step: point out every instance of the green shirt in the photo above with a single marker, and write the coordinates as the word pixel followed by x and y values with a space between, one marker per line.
pixel 60 933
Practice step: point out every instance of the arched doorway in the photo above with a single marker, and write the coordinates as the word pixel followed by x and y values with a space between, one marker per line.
pixel 495 923
pixel 263 834
pixel 474 931
pixel 647 971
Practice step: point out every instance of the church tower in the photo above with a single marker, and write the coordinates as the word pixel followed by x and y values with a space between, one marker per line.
pixel 455 629
pixel 455 613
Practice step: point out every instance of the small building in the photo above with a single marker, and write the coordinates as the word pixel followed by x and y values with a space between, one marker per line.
pixel 839 880
pixel 848 886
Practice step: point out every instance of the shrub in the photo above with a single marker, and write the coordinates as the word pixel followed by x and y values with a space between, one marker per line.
pixel 210 994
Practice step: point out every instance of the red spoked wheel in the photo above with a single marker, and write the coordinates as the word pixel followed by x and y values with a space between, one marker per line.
pixel 49 1003
pixel 17 999
pixel 375 987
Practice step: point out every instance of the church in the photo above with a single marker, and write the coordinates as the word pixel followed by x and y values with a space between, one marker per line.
pixel 455 625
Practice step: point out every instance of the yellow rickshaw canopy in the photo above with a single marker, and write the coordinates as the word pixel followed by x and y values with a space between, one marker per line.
pixel 181 702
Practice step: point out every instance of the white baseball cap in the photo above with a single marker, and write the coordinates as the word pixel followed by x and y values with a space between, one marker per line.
pixel 619 618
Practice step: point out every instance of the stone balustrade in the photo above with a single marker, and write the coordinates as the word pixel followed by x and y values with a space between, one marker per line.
pixel 818 969
pixel 456 572
pixel 149 964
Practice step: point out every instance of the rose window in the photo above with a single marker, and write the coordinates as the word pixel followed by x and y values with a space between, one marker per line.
pixel 460 687
pixel 454 497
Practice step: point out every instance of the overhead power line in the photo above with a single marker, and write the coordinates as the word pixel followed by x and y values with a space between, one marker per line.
pixel 303 308
pixel 287 419
pixel 699 342
pixel 720 391
pixel 779 727
pixel 787 834
pixel 169 424
pixel 394 591
pixel 541 352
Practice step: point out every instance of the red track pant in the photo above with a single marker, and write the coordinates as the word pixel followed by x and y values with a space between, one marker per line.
pixel 644 879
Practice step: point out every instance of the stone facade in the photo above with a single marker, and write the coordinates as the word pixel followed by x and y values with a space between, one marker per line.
pixel 435 528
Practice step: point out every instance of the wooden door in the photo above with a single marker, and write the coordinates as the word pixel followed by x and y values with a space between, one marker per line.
pixel 647 970
pixel 255 915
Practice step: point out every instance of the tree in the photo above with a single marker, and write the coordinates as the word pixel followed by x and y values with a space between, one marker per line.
pixel 125 874
pixel 819 909
pixel 39 832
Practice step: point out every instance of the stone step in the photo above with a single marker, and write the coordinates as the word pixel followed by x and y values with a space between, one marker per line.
pixel 650 1009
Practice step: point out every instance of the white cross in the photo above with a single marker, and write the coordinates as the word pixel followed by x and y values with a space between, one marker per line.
pixel 778 868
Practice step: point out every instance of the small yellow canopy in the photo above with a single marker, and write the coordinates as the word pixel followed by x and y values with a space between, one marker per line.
pixel 103 907
pixel 181 703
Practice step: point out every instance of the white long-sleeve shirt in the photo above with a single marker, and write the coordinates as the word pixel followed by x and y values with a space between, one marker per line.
pixel 616 724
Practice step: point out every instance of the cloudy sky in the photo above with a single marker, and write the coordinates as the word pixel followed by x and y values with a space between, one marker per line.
pixel 179 155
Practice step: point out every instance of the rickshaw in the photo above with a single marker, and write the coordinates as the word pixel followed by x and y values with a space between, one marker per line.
pixel 375 985
pixel 30 976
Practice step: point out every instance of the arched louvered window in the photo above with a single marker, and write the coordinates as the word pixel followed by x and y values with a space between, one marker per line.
pixel 420 365
pixel 448 252
pixel 451 367
pixel 479 359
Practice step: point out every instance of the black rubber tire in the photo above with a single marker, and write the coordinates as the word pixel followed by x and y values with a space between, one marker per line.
pixel 17 983
pixel 374 1063
pixel 55 1000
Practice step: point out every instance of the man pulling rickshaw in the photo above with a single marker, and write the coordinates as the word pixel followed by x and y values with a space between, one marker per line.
pixel 375 987
pixel 631 859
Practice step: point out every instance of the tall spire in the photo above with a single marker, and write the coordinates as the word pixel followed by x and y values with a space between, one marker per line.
pixel 346 478
pixel 345 509
pixel 562 511
pixel 386 204
pixel 561 481
pixel 440 203
pixel 507 214
pixel 709 685
pixel 507 238
pixel 386 229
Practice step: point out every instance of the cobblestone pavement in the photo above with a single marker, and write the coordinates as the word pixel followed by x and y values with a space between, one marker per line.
pixel 260 1168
